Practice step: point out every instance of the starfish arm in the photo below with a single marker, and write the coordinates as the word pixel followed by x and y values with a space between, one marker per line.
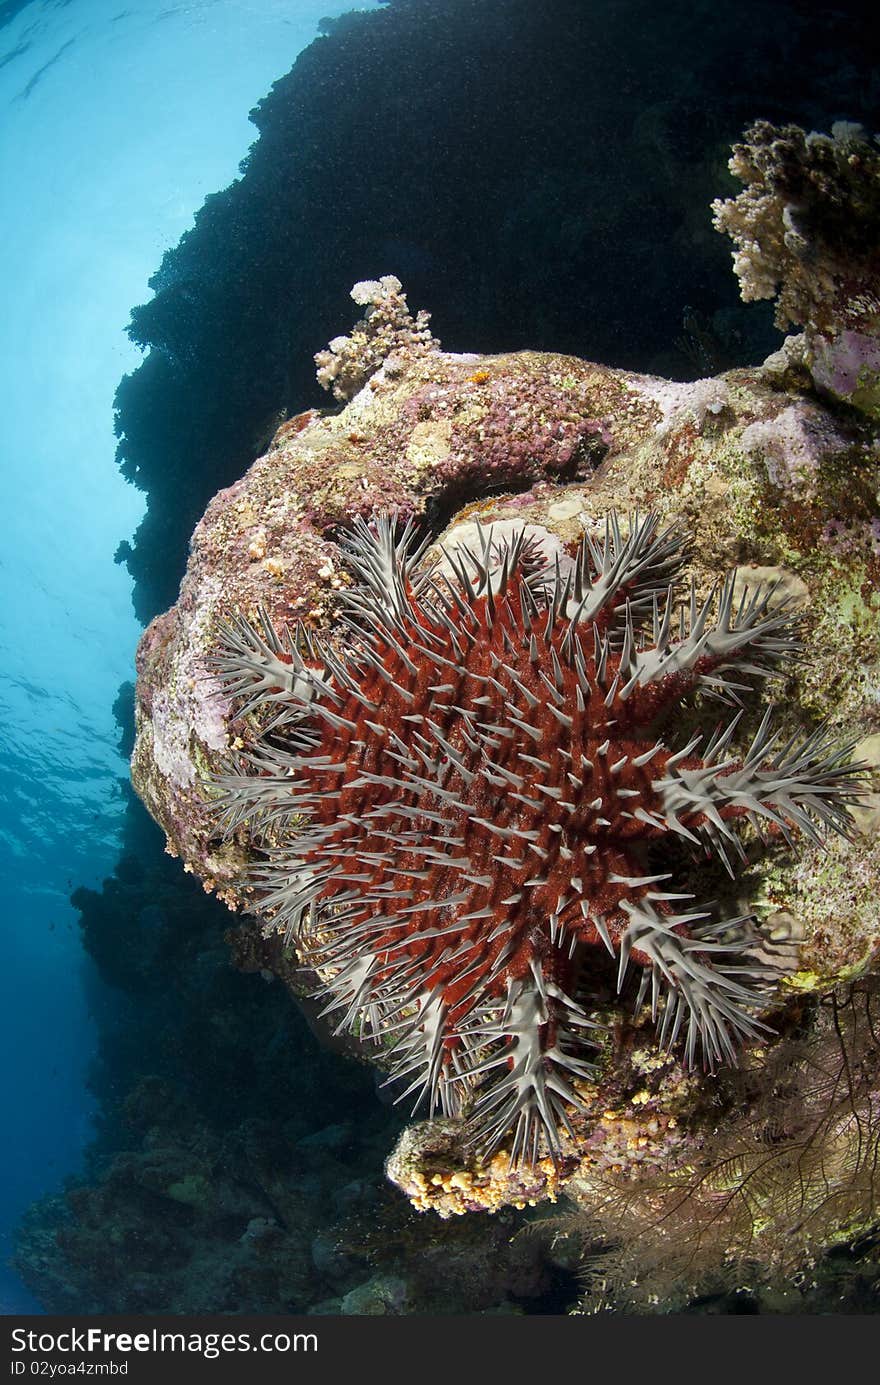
pixel 423 1054
pixel 707 988
pixel 624 572
pixel 257 664
pixel 385 563
pixel 264 798
pixel 288 888
pixel 808 784
pixel 748 637
pixel 525 1084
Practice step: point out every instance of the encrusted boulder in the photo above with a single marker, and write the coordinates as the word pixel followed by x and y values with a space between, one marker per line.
pixel 774 486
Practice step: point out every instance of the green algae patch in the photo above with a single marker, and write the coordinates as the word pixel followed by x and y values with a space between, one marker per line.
pixel 193 1191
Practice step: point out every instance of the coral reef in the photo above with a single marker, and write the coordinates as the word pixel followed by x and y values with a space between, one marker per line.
pixel 275 748
pixel 514 192
pixel 807 231
pixel 387 328
pixel 265 1215
pixel 389 145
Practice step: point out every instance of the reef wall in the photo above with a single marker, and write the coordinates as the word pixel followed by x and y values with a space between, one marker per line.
pixel 540 175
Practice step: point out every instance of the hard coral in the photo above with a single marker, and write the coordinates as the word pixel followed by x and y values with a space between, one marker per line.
pixel 459 816
pixel 806 230
pixel 805 226
pixel 386 328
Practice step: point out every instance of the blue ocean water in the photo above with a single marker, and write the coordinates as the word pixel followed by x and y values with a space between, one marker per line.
pixel 116 123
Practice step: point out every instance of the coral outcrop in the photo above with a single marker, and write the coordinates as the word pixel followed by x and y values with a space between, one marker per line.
pixel 807 234
pixel 775 486
pixel 387 327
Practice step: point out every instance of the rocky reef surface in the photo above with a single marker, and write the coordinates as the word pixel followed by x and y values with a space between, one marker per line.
pixel 775 475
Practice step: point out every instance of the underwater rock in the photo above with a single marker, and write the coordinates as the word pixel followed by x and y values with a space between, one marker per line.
pixel 192 1218
pixel 771 486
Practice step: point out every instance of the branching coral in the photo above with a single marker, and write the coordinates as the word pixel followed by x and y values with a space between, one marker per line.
pixel 477 798
pixel 387 327
pixel 807 229
pixel 805 226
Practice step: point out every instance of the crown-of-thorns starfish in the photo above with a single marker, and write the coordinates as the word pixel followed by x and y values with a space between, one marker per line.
pixel 452 812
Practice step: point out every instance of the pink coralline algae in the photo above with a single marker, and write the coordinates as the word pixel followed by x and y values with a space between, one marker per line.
pixel 847 365
pixel 544 434
pixel 855 539
pixel 794 443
